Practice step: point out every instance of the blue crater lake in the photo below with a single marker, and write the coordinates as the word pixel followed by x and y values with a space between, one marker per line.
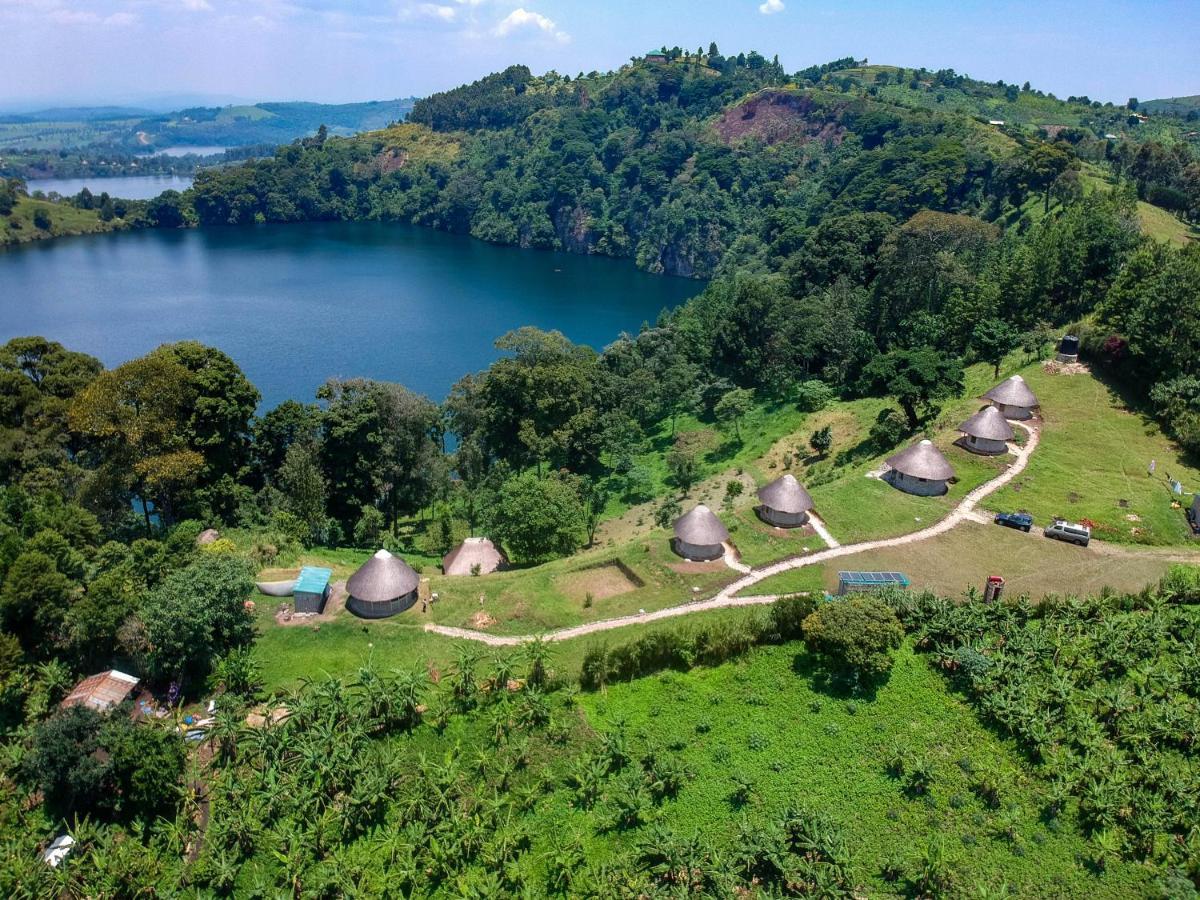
pixel 296 304
pixel 127 187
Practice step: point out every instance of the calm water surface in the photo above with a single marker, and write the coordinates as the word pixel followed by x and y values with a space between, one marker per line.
pixel 129 187
pixel 296 304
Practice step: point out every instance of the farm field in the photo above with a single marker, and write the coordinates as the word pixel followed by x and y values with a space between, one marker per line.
pixel 766 722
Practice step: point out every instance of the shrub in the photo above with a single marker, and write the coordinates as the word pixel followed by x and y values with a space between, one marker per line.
pixel 813 395
pixel 890 429
pixel 858 635
pixel 788 615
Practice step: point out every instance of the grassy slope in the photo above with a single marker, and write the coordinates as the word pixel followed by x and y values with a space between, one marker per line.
pixel 1095 452
pixel 767 718
pixel 18 227
pixel 966 556
pixel 1091 445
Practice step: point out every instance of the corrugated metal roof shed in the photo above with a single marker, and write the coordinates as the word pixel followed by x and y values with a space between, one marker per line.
pixel 313 580
pixel 101 691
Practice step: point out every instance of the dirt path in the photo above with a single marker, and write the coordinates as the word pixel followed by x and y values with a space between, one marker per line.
pixel 727 597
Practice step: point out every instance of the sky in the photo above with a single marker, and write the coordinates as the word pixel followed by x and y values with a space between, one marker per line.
pixel 138 51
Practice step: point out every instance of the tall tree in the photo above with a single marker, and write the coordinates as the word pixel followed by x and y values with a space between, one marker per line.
pixel 918 379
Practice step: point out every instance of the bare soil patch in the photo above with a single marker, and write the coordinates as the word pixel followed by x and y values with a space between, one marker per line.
pixel 777 116
pixel 482 620
pixel 610 579
pixel 687 567
pixel 288 618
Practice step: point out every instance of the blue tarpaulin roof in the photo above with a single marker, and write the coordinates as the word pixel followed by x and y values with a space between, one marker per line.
pixel 874 578
pixel 313 580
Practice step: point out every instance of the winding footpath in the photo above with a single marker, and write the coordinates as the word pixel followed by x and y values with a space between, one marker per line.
pixel 726 598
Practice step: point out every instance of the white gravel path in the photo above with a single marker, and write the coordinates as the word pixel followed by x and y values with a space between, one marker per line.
pixel 727 597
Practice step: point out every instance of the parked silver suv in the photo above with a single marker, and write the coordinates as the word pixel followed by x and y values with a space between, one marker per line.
pixel 1071 532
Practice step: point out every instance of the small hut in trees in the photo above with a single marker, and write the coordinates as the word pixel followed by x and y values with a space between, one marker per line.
pixel 101 692
pixel 699 535
pixel 784 502
pixel 986 432
pixel 1013 398
pixel 474 551
pixel 920 469
pixel 383 586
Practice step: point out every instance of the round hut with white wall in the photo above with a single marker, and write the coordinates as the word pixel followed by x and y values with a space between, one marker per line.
pixel 784 503
pixel 699 535
pixel 383 586
pixel 471 553
pixel 987 432
pixel 921 469
pixel 1014 399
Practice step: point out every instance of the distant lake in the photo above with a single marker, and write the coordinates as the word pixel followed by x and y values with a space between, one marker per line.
pixel 129 187
pixel 296 304
pixel 207 150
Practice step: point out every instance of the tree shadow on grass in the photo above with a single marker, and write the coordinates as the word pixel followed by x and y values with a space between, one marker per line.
pixel 834 683
pixel 1128 398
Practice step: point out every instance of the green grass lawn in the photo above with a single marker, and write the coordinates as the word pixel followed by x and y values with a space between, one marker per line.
pixel 767 719
pixel 1095 453
pixel 18 227
pixel 967 555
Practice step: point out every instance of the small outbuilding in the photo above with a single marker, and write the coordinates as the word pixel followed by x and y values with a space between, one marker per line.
pixel 987 432
pixel 921 469
pixel 383 586
pixel 101 692
pixel 1013 398
pixel 312 590
pixel 862 582
pixel 472 553
pixel 784 502
pixel 700 535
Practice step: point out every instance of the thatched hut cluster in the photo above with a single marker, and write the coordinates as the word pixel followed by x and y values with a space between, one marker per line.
pixel 1013 398
pixel 473 552
pixel 920 469
pixel 987 432
pixel 784 503
pixel 383 586
pixel 699 535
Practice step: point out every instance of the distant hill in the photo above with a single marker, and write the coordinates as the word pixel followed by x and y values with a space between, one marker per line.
pixel 127 129
pixel 1173 106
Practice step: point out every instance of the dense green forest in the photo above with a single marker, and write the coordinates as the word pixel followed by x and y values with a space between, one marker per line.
pixel 862 242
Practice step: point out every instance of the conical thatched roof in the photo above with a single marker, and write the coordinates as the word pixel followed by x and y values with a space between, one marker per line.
pixel 922 460
pixel 1013 392
pixel 474 551
pixel 786 495
pixel 988 424
pixel 381 578
pixel 700 527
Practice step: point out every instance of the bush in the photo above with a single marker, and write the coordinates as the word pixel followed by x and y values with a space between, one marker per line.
pixel 890 428
pixel 788 615
pixel 813 395
pixel 858 635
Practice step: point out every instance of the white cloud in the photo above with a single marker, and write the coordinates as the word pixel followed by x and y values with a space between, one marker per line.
pixel 437 11
pixel 520 19
pixel 770 7
pixel 197 5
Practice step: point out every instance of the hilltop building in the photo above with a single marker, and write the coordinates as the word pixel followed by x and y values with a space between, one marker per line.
pixel 987 432
pixel 784 503
pixel 699 535
pixel 1013 398
pixel 383 586
pixel 920 469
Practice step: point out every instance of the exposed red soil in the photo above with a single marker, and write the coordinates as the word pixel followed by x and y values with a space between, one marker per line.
pixel 774 117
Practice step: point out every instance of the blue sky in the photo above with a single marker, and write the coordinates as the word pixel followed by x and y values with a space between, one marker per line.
pixel 124 51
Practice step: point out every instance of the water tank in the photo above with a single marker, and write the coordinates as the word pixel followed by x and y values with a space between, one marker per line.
pixel 1069 345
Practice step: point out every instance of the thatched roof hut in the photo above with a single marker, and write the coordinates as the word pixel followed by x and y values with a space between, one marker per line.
pixel 383 586
pixel 474 551
pixel 987 432
pixel 784 502
pixel 1013 398
pixel 699 534
pixel 920 469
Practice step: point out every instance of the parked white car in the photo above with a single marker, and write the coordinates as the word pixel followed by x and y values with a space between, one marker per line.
pixel 1071 532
